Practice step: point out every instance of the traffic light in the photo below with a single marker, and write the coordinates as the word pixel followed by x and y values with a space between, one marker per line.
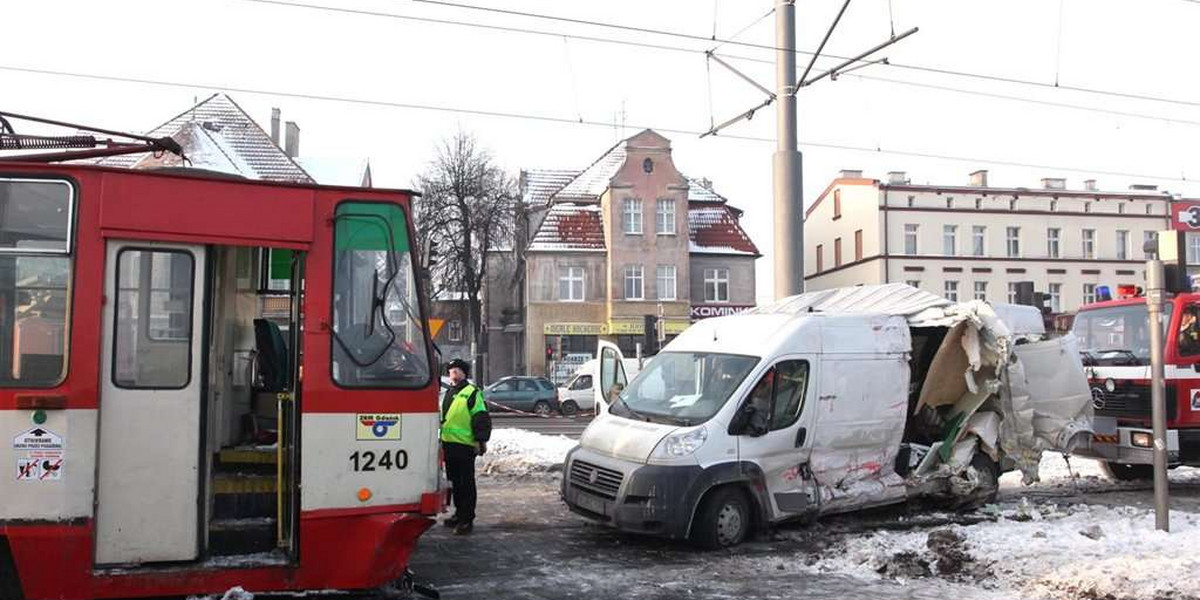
pixel 650 335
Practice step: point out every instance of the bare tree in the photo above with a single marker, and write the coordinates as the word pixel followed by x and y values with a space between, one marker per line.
pixel 467 210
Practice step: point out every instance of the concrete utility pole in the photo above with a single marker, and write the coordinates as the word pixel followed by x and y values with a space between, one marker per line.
pixel 789 198
pixel 1158 410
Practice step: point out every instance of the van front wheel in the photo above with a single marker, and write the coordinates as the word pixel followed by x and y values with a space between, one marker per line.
pixel 723 520
pixel 569 408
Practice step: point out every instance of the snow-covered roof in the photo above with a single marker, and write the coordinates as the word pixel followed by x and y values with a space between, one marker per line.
pixel 539 185
pixel 595 179
pixel 235 134
pixel 715 230
pixel 571 227
pixel 700 190
pixel 332 170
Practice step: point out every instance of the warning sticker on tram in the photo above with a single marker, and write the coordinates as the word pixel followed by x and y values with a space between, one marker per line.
pixel 377 427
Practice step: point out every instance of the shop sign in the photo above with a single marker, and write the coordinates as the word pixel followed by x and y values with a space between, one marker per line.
pixel 706 311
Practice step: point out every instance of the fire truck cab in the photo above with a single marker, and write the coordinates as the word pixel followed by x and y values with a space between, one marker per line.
pixel 208 382
pixel 1114 341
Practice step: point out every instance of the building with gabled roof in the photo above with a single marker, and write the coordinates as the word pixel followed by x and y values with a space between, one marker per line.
pixel 627 237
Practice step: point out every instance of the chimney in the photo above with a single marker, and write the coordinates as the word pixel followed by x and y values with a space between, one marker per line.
pixel 1090 185
pixel 291 142
pixel 897 177
pixel 1054 183
pixel 851 174
pixel 979 178
pixel 275 126
pixel 1141 187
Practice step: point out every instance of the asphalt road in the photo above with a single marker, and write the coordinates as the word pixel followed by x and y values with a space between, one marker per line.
pixel 557 425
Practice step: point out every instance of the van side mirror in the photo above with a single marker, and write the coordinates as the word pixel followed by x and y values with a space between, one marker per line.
pixel 743 422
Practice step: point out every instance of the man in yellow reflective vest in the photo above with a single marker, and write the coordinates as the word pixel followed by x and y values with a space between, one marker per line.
pixel 466 427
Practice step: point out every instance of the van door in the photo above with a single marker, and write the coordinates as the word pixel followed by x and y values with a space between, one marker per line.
pixel 777 435
pixel 148 476
pixel 860 416
pixel 612 376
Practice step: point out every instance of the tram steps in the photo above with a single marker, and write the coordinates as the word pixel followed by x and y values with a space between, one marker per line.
pixel 227 537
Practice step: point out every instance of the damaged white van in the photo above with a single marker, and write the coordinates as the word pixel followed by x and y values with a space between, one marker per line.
pixel 825 402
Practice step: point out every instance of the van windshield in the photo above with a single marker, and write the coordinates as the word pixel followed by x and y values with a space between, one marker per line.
pixel 683 388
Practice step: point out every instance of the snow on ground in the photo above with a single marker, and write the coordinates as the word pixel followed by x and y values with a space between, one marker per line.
pixel 521 452
pixel 1084 474
pixel 1044 551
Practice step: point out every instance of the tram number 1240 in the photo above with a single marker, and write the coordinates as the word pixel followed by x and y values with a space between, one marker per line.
pixel 369 460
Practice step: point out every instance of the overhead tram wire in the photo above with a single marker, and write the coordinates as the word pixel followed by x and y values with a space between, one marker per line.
pixel 681 35
pixel 669 48
pixel 571 121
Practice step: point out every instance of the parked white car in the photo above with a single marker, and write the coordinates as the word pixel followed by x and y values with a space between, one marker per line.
pixel 578 394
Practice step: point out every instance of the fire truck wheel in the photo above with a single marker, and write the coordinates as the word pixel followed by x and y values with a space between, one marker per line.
pixel 10 586
pixel 724 519
pixel 569 408
pixel 1124 472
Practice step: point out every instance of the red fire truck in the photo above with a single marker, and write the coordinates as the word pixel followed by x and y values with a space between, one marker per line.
pixel 208 382
pixel 1115 346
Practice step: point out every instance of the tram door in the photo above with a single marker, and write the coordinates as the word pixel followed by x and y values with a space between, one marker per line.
pixel 148 478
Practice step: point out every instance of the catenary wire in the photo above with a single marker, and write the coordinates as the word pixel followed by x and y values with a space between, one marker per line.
pixel 571 121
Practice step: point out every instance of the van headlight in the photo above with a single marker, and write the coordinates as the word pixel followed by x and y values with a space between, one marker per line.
pixel 682 444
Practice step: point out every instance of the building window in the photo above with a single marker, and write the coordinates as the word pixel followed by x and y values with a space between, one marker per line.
pixel 1120 208
pixel 633 216
pixel 1053 205
pixel 665 217
pixel 1055 297
pixel 1012 204
pixel 716 285
pixel 911 200
pixel 1149 209
pixel 666 282
pixel 949 201
pixel 1147 237
pixel 634 290
pixel 454 331
pixel 1089 293
pixel 1013 241
pixel 949 239
pixel 858 245
pixel 981 290
pixel 1193 248
pixel 1122 244
pixel 1052 245
pixel 1012 292
pixel 952 291
pixel 837 204
pixel 978 203
pixel 1089 243
pixel 910 238
pixel 837 252
pixel 1087 207
pixel 820 258
pixel 914 283
pixel 978 240
pixel 570 284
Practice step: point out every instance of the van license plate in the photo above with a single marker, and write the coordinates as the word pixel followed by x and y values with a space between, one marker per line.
pixel 590 503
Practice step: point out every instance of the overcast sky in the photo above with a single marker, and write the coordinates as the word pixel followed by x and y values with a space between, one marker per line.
pixel 1139 47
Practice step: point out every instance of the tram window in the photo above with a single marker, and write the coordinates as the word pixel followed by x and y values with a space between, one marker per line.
pixel 378 332
pixel 152 346
pixel 35 279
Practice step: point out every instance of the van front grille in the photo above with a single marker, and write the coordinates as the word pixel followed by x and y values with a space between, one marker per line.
pixel 596 479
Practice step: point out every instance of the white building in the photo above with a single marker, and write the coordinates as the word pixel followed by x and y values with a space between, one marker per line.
pixel 976 241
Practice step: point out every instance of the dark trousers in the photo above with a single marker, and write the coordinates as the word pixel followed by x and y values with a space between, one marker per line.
pixel 460 469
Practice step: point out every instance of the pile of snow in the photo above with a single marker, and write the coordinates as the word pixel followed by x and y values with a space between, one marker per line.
pixel 233 593
pixel 521 452
pixel 1084 474
pixel 1078 551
